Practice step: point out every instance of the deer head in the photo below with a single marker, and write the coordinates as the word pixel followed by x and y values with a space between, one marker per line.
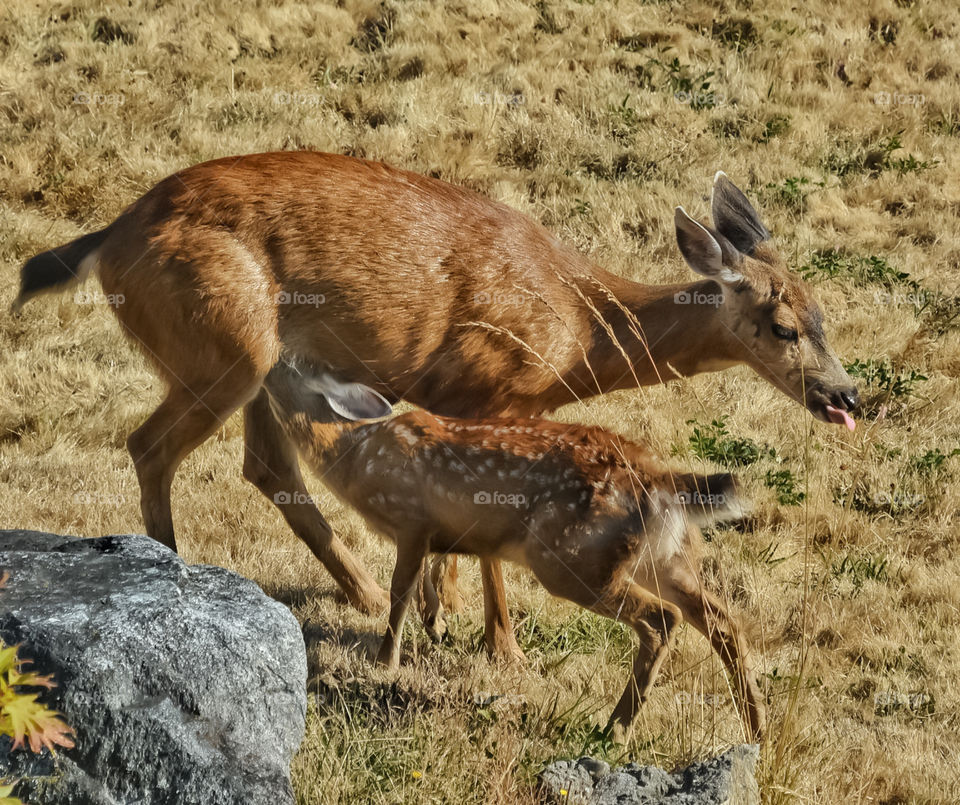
pixel 319 398
pixel 769 317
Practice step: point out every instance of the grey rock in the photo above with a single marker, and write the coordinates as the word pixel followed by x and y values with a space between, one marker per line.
pixel 568 782
pixel 617 787
pixel 729 779
pixel 597 768
pixel 652 781
pixel 185 684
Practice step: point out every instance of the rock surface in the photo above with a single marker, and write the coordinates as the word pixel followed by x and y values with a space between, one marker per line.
pixel 185 684
pixel 728 779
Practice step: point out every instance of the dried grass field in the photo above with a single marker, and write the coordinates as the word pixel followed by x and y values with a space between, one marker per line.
pixel 842 123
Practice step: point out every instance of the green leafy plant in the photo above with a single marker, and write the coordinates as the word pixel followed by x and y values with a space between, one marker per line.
pixel 768 555
pixel 685 83
pixel 624 119
pixel 871 270
pixel 939 311
pixel 875 158
pixel 785 484
pixel 881 375
pixel 774 127
pixel 22 717
pixel 792 192
pixel 713 442
pixel 860 569
pixel 582 208
pixel 932 461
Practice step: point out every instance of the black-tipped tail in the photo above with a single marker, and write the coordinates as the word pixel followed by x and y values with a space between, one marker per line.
pixel 707 499
pixel 59 267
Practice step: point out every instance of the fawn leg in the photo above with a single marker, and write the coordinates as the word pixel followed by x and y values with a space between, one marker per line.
pixel 710 617
pixel 655 622
pixel 411 563
pixel 431 610
pixel 445 580
pixel 498 634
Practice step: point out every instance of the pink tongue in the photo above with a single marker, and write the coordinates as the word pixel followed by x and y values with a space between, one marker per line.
pixel 839 417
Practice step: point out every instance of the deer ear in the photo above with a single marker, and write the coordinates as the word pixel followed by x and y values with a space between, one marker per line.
pixel 701 250
pixel 734 216
pixel 353 401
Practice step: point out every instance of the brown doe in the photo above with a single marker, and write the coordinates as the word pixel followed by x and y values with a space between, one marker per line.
pixel 596 518
pixel 426 292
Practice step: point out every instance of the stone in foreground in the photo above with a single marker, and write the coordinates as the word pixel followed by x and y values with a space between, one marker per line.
pixel 728 779
pixel 184 684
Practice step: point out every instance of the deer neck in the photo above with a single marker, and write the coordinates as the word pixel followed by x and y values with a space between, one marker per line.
pixel 665 331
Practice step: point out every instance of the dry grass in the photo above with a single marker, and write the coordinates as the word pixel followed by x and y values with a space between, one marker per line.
pixel 566 111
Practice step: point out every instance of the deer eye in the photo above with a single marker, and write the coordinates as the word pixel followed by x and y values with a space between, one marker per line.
pixel 785 333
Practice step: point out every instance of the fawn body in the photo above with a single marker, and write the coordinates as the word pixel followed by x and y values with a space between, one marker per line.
pixel 426 292
pixel 596 519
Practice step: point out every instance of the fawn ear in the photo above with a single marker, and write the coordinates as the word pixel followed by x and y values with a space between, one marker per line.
pixel 353 401
pixel 701 250
pixel 734 217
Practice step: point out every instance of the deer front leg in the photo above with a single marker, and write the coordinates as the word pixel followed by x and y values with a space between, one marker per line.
pixel 411 563
pixel 270 463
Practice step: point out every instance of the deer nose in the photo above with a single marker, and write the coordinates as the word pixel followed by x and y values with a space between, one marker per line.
pixel 847 399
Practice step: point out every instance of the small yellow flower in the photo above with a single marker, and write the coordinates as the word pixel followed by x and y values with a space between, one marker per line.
pixel 563 792
pixel 417 775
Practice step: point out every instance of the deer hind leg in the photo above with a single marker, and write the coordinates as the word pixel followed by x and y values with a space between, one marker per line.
pixel 445 581
pixel 655 622
pixel 270 464
pixel 710 617
pixel 431 610
pixel 411 564
pixel 183 421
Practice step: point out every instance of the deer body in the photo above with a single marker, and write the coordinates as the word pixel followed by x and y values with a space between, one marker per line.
pixel 415 301
pixel 423 291
pixel 596 518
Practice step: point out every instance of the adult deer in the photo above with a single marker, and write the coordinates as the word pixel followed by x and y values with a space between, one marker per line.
pixel 425 292
pixel 596 518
